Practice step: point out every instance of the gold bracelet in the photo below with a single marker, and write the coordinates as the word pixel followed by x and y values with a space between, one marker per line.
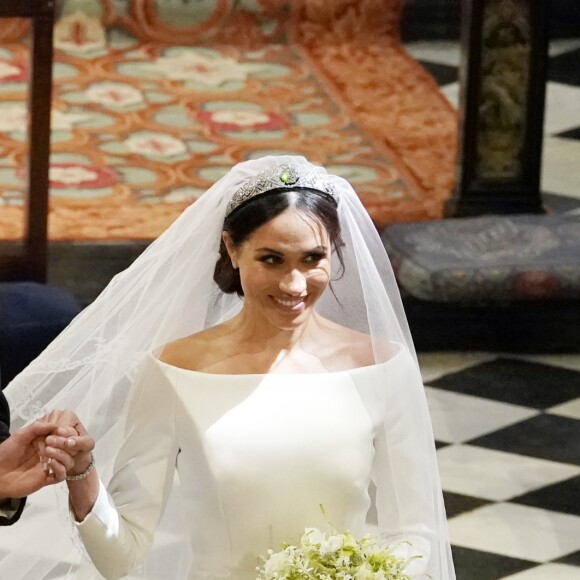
pixel 85 473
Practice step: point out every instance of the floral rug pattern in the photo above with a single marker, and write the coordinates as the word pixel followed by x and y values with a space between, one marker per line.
pixel 141 128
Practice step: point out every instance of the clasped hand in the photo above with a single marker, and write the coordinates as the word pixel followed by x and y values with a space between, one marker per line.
pixel 69 445
pixel 43 453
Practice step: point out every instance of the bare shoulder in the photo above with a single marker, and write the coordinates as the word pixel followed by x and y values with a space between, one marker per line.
pixel 191 352
pixel 350 345
pixel 358 348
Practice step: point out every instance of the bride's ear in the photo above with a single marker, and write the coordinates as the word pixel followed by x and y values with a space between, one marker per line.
pixel 231 249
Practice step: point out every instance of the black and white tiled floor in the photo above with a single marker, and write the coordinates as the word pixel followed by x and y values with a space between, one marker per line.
pixel 508 438
pixel 561 152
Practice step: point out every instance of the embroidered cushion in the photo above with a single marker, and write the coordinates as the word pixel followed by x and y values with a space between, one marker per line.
pixel 489 258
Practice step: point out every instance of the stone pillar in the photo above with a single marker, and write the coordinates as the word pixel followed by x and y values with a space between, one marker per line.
pixel 502 78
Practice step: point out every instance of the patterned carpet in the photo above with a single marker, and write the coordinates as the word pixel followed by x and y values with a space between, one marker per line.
pixel 142 126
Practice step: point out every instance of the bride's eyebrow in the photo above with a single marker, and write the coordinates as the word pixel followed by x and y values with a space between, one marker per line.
pixel 316 250
pixel 270 251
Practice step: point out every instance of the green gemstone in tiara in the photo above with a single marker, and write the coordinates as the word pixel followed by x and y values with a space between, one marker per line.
pixel 284 176
pixel 288 176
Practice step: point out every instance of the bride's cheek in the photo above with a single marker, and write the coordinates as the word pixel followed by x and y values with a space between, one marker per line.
pixel 319 277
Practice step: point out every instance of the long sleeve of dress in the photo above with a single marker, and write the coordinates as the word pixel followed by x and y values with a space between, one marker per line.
pixel 119 530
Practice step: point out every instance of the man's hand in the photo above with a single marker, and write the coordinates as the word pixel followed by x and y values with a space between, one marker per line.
pixel 21 470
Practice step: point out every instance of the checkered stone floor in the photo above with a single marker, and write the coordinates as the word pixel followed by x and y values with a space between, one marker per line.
pixel 508 439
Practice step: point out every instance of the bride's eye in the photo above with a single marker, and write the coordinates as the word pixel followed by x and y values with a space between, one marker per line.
pixel 271 259
pixel 315 257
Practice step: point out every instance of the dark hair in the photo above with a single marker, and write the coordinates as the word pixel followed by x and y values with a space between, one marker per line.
pixel 249 216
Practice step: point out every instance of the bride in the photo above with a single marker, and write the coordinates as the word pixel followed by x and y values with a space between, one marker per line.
pixel 253 365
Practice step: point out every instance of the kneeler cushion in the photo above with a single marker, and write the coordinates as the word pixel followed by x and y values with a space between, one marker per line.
pixel 31 316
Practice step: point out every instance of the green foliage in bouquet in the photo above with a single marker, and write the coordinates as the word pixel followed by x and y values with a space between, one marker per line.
pixel 334 556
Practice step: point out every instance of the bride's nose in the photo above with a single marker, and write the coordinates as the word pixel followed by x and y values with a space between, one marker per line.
pixel 293 283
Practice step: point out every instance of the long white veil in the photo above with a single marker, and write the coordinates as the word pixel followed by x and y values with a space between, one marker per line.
pixel 169 292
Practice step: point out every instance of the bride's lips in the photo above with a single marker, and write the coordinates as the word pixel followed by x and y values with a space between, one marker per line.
pixel 290 304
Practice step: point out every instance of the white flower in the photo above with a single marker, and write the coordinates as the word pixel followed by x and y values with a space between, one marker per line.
pixel 158 145
pixel 114 94
pixel 343 561
pixel 276 564
pixel 314 536
pixel 191 65
pixel 333 556
pixel 331 545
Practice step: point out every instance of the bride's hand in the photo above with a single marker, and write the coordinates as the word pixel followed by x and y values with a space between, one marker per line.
pixel 72 440
pixel 71 444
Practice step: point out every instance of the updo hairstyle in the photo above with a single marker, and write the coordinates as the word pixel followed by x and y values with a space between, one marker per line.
pixel 249 216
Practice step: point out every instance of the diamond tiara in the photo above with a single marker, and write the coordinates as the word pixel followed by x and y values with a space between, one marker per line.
pixel 287 176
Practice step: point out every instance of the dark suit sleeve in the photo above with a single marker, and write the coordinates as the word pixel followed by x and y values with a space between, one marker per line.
pixel 4 418
pixel 10 509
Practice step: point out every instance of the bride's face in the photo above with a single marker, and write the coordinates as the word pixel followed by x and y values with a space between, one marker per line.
pixel 284 268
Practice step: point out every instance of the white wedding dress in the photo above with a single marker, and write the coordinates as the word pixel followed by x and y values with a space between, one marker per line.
pixel 256 457
pixel 212 470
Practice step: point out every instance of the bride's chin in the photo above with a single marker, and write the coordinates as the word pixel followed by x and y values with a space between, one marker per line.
pixel 295 310
pixel 288 320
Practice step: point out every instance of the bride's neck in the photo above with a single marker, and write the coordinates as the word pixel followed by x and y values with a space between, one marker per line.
pixel 269 338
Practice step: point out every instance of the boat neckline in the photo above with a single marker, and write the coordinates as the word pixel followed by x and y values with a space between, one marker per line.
pixel 400 350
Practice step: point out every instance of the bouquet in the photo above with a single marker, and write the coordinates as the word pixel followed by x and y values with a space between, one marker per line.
pixel 333 555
